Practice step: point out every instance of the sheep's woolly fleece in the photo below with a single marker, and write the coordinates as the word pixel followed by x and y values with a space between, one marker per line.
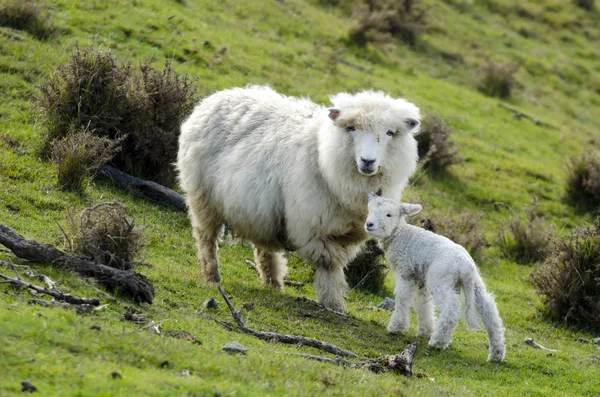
pixel 284 172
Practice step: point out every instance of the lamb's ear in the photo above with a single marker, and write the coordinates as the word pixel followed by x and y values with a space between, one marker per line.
pixel 410 209
pixel 372 196
pixel 412 124
pixel 333 113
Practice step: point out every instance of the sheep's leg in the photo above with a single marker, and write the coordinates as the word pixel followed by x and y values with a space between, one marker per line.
pixel 271 266
pixel 206 228
pixel 447 299
pixel 424 308
pixel 331 286
pixel 400 319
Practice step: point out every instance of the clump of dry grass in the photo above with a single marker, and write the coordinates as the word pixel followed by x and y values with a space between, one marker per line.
pixel 569 279
pixel 497 79
pixel 367 271
pixel 143 110
pixel 436 151
pixel 78 154
pixel 381 21
pixel 28 16
pixel 526 241
pixel 106 234
pixel 463 228
pixel 583 182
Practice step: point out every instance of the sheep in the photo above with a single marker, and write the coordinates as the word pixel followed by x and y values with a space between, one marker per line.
pixel 287 174
pixel 426 264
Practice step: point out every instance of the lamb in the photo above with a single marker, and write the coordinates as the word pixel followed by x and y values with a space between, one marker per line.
pixel 427 264
pixel 287 174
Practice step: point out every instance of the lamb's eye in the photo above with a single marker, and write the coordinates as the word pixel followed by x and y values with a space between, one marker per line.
pixel 389 215
pixel 391 133
pixel 350 128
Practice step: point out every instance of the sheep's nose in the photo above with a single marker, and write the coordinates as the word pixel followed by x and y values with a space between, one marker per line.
pixel 367 162
pixel 370 224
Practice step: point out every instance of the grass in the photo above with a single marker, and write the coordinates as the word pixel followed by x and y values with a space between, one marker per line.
pixel 226 44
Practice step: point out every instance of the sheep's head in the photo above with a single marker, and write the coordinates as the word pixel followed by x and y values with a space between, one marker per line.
pixel 385 214
pixel 381 129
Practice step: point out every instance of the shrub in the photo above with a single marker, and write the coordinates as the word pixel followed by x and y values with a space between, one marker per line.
pixel 104 233
pixel 569 279
pixel 78 154
pixel 384 20
pixel 583 181
pixel 143 110
pixel 497 79
pixel 587 5
pixel 436 152
pixel 27 16
pixel 462 228
pixel 367 271
pixel 525 242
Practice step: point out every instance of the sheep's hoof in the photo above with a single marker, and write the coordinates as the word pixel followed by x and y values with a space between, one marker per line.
pixel 213 277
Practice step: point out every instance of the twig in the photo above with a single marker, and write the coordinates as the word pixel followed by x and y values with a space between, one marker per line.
pixel 288 339
pixel 536 345
pixel 320 306
pixel 64 305
pixel 355 66
pixel 17 282
pixel 520 115
pixel 252 265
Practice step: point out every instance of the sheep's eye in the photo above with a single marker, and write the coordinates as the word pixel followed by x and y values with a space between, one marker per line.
pixel 391 133
pixel 350 128
pixel 389 215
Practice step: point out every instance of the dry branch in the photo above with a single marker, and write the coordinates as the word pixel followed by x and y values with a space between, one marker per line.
pixel 17 282
pixel 520 115
pixel 64 305
pixel 282 338
pixel 127 282
pixel 536 345
pixel 145 188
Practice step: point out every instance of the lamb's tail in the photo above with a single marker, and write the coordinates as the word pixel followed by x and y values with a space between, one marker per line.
pixel 491 320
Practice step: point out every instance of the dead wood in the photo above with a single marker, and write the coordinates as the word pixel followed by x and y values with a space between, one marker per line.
pixel 283 338
pixel 145 188
pixel 17 282
pixel 520 115
pixel 535 345
pixel 80 308
pixel 127 282
pixel 320 306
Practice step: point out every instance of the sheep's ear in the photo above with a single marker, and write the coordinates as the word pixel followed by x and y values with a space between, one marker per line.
pixel 410 209
pixel 412 124
pixel 333 113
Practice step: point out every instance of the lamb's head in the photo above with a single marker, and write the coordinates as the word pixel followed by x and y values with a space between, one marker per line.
pixel 385 215
pixel 379 128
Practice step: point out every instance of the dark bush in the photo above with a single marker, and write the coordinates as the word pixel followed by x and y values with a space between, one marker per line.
pixel 141 109
pixel 380 21
pixel 104 233
pixel 583 181
pixel 463 228
pixel 78 154
pixel 27 16
pixel 367 271
pixel 497 79
pixel 526 241
pixel 436 152
pixel 569 279
pixel 587 5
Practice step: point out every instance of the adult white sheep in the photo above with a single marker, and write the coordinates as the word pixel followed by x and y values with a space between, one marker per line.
pixel 286 173
pixel 426 264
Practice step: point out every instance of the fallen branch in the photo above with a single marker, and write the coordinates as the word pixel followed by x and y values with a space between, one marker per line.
pixel 64 305
pixel 520 115
pixel 536 345
pixel 320 306
pixel 399 363
pixel 282 338
pixel 145 188
pixel 17 282
pixel 355 66
pixel 127 282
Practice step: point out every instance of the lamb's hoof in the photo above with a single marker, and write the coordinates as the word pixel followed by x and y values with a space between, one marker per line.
pixel 497 354
pixel 439 344
pixel 396 329
pixel 424 334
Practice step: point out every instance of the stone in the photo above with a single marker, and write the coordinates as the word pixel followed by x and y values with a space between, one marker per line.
pixel 235 347
pixel 210 303
pixel 387 304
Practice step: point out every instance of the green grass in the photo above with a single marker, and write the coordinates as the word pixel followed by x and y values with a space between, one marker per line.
pixel 291 46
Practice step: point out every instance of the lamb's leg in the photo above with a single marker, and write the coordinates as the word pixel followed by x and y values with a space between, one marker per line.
pixel 447 299
pixel 271 266
pixel 424 308
pixel 400 319
pixel 206 228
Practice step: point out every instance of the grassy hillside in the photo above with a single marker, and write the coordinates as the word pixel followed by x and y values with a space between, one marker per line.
pixel 296 47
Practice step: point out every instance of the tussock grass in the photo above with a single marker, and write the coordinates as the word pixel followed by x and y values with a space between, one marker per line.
pixel 497 79
pixel 28 16
pixel 583 182
pixel 436 151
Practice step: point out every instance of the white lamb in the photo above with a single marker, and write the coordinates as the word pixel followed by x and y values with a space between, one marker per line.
pixel 286 173
pixel 426 264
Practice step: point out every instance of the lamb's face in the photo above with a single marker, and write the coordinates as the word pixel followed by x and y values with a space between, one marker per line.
pixel 377 127
pixel 385 215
